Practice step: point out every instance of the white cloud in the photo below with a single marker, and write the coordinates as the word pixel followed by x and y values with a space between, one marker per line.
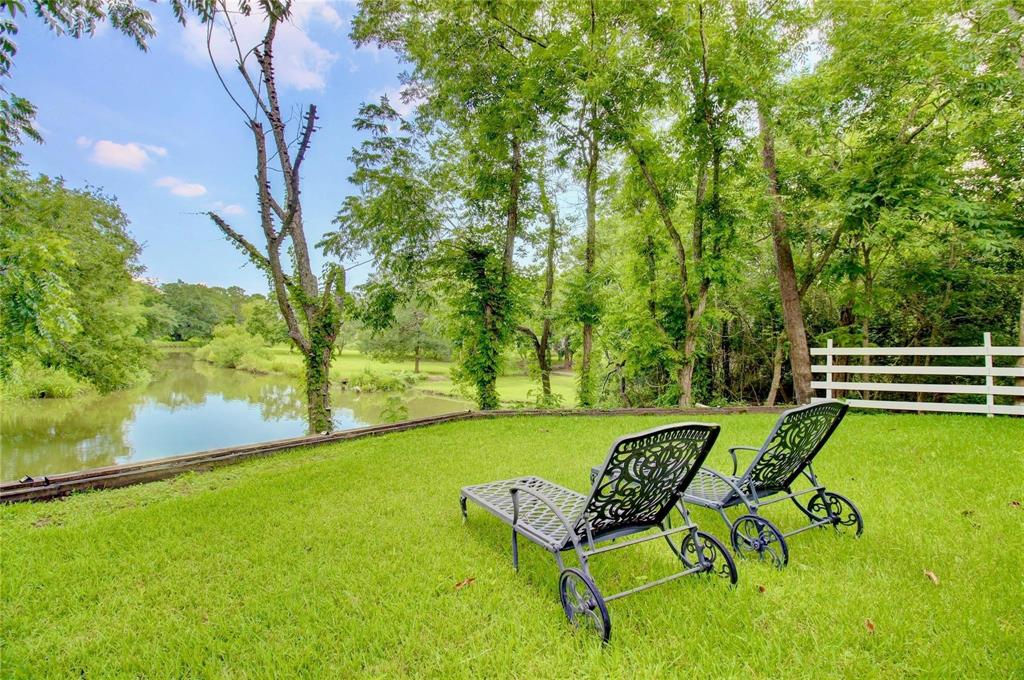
pixel 180 188
pixel 228 208
pixel 299 61
pixel 130 156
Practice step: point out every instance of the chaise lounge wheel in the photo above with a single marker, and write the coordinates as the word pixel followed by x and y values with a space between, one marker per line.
pixel 699 548
pixel 837 510
pixel 583 603
pixel 754 536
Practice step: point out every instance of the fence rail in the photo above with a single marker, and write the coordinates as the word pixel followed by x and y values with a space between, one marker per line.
pixel 989 389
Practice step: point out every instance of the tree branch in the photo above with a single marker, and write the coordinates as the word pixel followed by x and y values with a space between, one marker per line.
pixel 909 137
pixel 257 258
pixel 817 267
pixel 516 31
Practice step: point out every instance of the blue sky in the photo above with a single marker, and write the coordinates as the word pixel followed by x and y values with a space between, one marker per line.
pixel 156 130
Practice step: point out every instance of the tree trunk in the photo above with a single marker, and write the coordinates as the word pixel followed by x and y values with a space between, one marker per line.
pixel 1019 401
pixel 318 391
pixel 585 395
pixel 543 347
pixel 773 393
pixel 686 384
pixel 299 292
pixel 416 367
pixel 495 302
pixel 792 314
pixel 726 350
pixel 865 319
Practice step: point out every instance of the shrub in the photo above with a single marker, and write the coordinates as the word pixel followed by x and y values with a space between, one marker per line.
pixel 28 379
pixel 372 381
pixel 233 347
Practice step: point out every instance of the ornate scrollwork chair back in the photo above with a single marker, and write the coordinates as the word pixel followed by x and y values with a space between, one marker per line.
pixel 644 475
pixel 792 444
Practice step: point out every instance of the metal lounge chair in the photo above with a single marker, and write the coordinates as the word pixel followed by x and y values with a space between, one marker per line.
pixel 787 454
pixel 638 485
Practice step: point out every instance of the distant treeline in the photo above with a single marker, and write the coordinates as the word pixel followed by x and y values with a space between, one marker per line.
pixel 76 315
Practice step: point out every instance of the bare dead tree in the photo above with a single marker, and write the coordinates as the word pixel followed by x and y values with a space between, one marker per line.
pixel 311 307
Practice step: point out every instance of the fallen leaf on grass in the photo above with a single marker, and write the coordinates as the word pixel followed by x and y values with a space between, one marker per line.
pixel 1015 504
pixel 760 588
pixel 870 625
pixel 931 575
pixel 465 582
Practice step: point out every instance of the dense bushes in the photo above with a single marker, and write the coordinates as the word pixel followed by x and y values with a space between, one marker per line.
pixel 73 315
pixel 234 347
pixel 28 379
pixel 373 381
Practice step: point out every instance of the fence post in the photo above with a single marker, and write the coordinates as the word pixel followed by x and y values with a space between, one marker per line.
pixel 828 369
pixel 990 398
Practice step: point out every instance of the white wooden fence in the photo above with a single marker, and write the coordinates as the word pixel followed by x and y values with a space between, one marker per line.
pixel 989 389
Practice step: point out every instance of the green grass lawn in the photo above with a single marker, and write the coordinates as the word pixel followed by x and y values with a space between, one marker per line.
pixel 521 389
pixel 344 560
pixel 511 388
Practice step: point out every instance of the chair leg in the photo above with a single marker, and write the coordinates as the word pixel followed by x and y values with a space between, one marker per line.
pixel 515 549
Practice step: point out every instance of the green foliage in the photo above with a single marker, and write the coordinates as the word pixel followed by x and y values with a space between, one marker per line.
pixel 234 347
pixel 28 379
pixel 413 331
pixel 371 380
pixel 68 300
pixel 198 308
pixel 481 323
pixel 263 318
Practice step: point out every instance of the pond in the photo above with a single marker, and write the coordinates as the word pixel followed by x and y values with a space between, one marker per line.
pixel 189 406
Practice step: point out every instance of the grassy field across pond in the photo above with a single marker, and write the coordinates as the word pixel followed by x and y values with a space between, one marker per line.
pixel 513 388
pixel 352 559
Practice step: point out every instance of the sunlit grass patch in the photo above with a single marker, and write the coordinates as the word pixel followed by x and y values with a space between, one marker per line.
pixel 343 560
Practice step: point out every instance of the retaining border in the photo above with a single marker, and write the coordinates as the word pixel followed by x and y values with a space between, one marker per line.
pixel 113 476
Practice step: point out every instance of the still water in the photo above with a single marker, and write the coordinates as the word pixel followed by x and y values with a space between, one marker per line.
pixel 189 406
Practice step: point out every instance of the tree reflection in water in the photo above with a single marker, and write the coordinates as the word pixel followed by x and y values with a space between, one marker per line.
pixel 189 406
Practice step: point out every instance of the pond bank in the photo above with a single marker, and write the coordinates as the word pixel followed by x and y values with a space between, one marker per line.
pixel 46 487
pixel 188 406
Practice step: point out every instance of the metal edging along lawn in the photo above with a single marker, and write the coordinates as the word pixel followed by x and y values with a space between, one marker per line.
pixel 110 477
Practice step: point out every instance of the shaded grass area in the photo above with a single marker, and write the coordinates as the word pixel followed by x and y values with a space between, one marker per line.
pixel 344 560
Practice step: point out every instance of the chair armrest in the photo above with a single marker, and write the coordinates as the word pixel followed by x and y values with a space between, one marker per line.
pixel 516 490
pixel 735 462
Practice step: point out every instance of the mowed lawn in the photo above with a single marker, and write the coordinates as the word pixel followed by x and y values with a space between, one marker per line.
pixel 352 559
pixel 512 388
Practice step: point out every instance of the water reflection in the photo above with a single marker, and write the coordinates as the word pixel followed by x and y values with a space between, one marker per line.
pixel 189 406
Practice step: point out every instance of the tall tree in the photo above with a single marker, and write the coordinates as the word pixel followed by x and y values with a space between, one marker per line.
pixel 481 93
pixel 542 342
pixel 311 308
pixel 68 300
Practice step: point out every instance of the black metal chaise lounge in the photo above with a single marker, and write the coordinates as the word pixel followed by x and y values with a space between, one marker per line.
pixel 788 453
pixel 638 485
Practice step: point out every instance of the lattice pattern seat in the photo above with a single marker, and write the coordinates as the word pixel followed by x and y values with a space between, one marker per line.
pixel 534 515
pixel 708 488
